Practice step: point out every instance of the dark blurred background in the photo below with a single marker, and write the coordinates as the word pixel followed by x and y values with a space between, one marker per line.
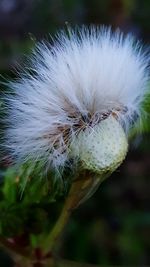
pixel 113 227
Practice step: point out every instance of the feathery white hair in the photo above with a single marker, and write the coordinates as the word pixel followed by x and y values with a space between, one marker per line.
pixel 78 81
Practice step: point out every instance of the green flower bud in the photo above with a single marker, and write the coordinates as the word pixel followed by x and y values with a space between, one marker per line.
pixel 101 149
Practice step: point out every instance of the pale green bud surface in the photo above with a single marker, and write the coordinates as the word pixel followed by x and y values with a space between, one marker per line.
pixel 101 149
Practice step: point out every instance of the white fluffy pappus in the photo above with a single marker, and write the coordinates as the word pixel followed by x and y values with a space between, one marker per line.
pixel 75 83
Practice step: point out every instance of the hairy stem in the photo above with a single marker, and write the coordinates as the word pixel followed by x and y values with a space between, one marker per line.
pixel 79 191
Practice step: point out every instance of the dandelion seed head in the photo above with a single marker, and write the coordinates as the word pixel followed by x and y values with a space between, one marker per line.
pixel 73 85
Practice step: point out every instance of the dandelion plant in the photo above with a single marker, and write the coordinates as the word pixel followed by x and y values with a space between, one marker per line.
pixel 69 115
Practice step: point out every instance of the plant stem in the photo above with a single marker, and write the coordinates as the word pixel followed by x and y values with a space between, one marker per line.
pixel 80 189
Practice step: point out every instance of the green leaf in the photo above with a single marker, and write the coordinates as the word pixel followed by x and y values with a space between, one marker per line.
pixel 9 189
